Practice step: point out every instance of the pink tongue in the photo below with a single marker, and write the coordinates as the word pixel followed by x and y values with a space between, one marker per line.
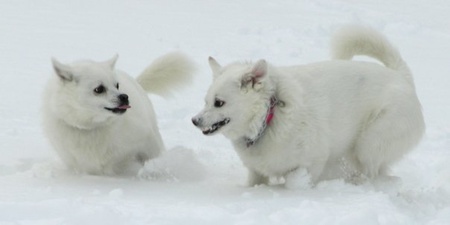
pixel 124 107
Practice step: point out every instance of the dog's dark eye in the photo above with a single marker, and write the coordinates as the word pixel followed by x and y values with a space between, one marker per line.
pixel 218 103
pixel 100 89
pixel 117 86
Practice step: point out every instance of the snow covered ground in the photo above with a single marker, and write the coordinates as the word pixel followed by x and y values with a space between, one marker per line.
pixel 203 179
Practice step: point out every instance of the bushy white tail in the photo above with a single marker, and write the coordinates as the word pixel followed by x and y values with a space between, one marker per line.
pixel 358 40
pixel 167 73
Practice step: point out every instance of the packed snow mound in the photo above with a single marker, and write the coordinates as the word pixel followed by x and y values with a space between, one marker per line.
pixel 178 164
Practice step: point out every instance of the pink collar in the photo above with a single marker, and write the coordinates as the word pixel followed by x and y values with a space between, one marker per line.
pixel 269 116
pixel 271 111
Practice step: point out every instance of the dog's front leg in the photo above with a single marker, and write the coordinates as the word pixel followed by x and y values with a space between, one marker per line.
pixel 255 178
pixel 302 178
pixel 299 178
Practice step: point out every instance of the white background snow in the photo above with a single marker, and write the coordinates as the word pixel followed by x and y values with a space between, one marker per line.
pixel 202 181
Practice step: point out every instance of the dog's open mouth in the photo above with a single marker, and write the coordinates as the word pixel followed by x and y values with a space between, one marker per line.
pixel 119 109
pixel 213 128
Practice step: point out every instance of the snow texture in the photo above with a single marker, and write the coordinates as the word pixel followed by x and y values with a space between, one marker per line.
pixel 200 180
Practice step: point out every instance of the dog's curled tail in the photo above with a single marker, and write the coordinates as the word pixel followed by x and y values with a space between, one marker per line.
pixel 167 73
pixel 354 40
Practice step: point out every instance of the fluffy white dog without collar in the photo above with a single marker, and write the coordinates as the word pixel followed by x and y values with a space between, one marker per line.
pixel 100 120
pixel 337 118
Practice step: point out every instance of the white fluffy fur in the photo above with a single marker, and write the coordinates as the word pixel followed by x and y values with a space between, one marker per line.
pixel 155 76
pixel 336 118
pixel 90 138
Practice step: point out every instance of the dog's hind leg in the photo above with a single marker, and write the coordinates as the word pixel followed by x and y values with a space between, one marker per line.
pixel 386 137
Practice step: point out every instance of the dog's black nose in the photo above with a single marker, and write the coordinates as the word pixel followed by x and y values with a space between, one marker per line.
pixel 123 98
pixel 195 121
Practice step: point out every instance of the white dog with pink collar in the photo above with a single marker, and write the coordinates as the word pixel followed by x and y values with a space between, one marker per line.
pixel 337 118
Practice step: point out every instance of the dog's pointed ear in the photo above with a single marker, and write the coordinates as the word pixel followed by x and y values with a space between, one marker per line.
pixel 63 71
pixel 215 66
pixel 256 75
pixel 112 62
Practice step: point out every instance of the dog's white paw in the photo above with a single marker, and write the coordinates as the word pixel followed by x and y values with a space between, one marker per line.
pixel 298 179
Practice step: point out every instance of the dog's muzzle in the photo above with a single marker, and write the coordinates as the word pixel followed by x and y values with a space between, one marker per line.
pixel 123 105
pixel 213 128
